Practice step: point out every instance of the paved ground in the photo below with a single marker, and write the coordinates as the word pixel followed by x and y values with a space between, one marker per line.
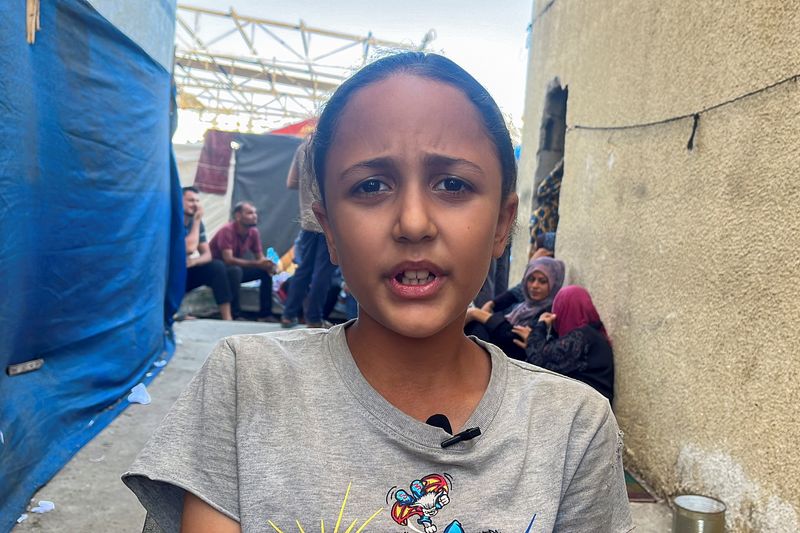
pixel 88 493
pixel 652 517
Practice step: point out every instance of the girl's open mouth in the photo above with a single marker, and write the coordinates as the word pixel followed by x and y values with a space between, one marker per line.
pixel 415 277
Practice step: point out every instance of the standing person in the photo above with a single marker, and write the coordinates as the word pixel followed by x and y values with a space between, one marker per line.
pixel 544 218
pixel 580 347
pixel 202 269
pixel 496 281
pixel 544 245
pixel 395 421
pixel 230 244
pixel 313 275
pixel 540 284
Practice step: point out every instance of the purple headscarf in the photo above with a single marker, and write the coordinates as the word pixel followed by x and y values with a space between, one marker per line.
pixel 553 269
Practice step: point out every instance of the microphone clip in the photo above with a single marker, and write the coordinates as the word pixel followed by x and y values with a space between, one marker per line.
pixel 467 434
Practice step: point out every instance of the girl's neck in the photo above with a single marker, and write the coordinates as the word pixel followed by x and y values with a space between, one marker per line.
pixel 446 373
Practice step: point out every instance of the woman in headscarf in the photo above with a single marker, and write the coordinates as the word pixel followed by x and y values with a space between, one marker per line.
pixel 580 347
pixel 540 284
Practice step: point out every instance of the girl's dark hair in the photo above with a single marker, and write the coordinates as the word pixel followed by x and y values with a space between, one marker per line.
pixel 430 66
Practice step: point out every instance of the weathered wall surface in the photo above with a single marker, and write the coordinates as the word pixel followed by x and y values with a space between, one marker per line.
pixel 692 256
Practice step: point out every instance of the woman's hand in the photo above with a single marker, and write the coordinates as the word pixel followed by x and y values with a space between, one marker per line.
pixel 488 306
pixel 541 252
pixel 477 315
pixel 522 332
pixel 547 318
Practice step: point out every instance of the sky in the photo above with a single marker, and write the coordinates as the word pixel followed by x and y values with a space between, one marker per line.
pixel 487 38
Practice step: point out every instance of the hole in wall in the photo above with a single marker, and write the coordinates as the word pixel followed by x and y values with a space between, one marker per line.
pixel 549 165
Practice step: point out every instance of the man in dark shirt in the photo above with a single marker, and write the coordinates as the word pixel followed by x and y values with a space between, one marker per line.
pixel 202 269
pixel 231 243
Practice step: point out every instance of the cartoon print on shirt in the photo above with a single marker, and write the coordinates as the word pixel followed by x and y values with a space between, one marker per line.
pixel 426 498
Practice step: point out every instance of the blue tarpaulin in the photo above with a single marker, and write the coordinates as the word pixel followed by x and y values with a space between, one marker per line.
pixel 91 243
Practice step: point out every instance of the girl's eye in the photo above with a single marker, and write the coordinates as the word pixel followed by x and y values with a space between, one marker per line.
pixel 371 186
pixel 451 184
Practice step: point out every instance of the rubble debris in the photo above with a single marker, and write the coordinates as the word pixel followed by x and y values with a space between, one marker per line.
pixel 44 507
pixel 139 394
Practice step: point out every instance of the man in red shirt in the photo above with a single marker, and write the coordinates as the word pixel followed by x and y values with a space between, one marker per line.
pixel 231 243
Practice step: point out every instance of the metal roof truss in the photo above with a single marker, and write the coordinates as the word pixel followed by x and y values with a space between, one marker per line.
pixel 285 72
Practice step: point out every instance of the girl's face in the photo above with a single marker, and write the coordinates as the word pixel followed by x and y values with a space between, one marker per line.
pixel 413 213
pixel 538 286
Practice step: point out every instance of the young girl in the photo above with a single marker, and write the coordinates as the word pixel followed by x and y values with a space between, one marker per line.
pixel 541 282
pixel 394 422
pixel 581 349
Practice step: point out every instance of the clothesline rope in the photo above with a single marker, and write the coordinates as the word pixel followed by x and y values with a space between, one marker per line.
pixel 544 10
pixel 694 114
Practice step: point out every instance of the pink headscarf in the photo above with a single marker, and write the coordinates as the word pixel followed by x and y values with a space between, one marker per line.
pixel 574 309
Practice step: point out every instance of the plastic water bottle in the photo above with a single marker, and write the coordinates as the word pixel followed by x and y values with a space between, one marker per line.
pixel 272 255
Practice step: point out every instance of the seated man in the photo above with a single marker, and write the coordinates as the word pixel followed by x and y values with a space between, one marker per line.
pixel 202 269
pixel 231 243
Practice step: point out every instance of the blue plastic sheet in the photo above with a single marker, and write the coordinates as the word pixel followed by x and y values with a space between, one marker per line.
pixel 91 244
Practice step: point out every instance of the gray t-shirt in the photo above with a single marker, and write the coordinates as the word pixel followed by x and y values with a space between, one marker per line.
pixel 281 431
pixel 187 228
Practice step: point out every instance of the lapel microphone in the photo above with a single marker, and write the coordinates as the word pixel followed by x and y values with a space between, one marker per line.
pixel 441 421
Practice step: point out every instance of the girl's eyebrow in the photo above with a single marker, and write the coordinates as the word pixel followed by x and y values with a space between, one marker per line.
pixel 430 160
pixel 378 163
pixel 440 161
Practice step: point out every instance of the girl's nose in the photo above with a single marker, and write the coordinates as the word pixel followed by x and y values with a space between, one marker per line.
pixel 414 222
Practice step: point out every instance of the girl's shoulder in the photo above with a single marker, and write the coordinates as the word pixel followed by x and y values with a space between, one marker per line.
pixel 284 342
pixel 300 353
pixel 526 383
pixel 556 391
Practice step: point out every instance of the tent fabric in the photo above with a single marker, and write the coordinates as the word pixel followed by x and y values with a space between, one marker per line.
pixel 188 157
pixel 262 165
pixel 176 255
pixel 215 160
pixel 88 241
pixel 216 208
pixel 298 129
pixel 146 23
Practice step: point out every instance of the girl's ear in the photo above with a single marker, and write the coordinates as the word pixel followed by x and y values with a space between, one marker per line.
pixel 322 217
pixel 505 224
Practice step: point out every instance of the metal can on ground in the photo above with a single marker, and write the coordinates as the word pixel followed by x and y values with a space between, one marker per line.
pixel 694 513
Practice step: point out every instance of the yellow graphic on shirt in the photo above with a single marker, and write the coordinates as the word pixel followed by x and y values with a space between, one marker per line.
pixel 338 520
